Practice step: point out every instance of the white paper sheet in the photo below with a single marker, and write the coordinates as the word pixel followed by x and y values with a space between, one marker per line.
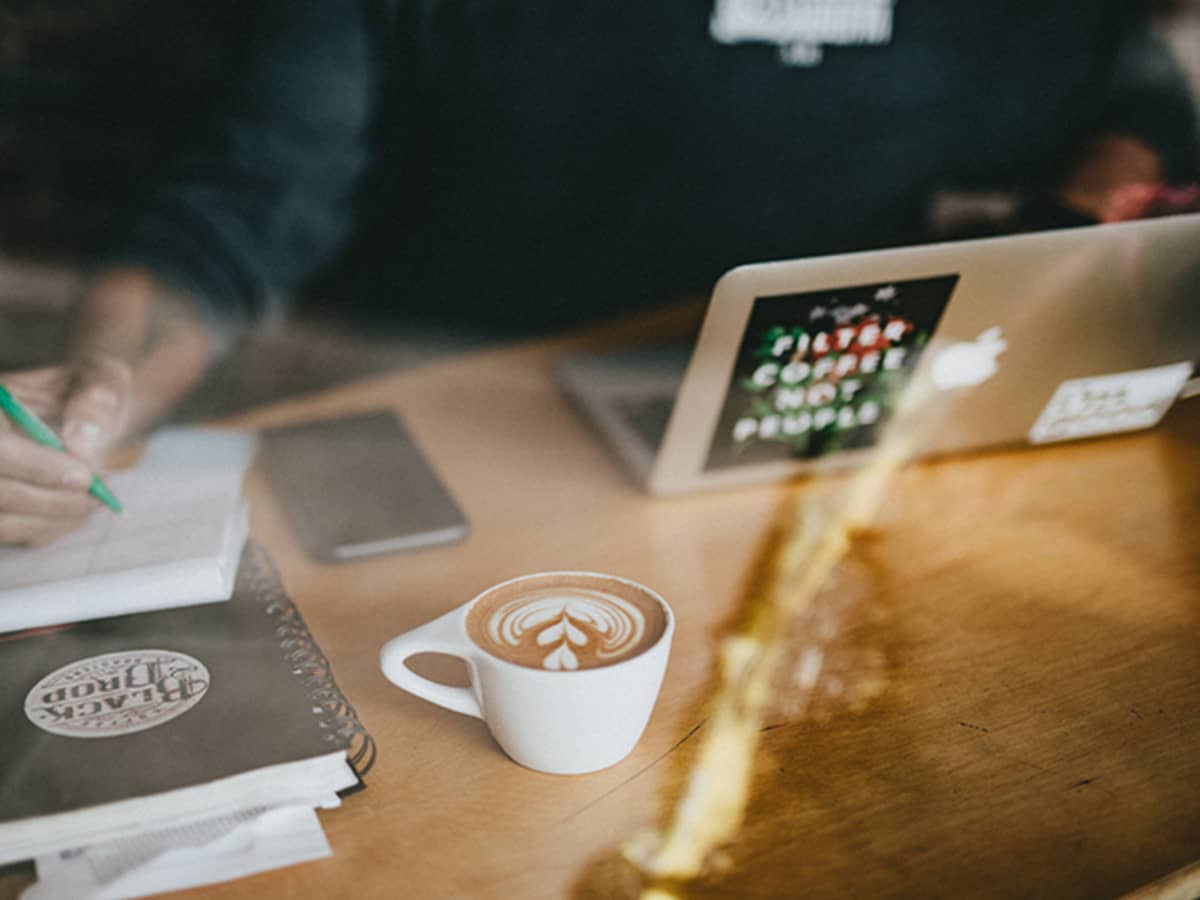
pixel 307 782
pixel 202 852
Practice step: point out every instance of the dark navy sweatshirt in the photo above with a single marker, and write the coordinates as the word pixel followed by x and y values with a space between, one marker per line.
pixel 517 162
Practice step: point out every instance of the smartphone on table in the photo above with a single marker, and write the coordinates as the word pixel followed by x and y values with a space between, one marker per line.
pixel 357 486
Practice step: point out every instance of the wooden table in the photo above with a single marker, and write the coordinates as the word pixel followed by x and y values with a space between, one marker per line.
pixel 1039 734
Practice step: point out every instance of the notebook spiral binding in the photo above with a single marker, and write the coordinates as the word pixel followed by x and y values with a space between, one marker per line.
pixel 335 714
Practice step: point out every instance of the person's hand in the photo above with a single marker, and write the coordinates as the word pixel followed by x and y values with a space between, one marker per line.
pixel 134 348
pixel 1109 165
pixel 43 491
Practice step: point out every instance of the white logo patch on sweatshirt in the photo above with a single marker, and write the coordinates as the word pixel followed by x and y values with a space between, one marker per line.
pixel 801 29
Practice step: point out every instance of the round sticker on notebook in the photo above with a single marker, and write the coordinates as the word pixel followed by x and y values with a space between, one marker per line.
pixel 117 693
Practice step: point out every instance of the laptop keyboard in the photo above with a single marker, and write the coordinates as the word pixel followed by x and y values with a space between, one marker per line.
pixel 646 414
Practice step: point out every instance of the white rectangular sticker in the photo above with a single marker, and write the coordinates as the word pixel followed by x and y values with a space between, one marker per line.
pixel 1108 404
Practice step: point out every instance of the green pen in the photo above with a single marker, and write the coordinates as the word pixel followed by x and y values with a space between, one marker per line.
pixel 36 429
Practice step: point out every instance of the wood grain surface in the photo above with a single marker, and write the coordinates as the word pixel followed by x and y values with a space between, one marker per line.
pixel 1034 612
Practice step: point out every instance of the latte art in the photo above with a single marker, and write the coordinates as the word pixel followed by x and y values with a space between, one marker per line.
pixel 564 627
pixel 590 622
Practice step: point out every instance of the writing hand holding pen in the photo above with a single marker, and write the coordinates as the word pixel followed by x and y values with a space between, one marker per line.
pixel 33 427
pixel 134 348
pixel 48 488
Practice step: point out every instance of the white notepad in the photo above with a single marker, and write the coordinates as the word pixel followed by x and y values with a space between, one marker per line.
pixel 178 542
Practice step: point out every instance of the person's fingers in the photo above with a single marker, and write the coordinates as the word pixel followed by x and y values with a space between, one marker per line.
pixel 43 491
pixel 23 460
pixel 41 391
pixel 34 530
pixel 97 406
pixel 21 498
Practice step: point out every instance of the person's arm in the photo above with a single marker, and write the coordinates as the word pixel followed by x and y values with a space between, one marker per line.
pixel 264 192
pixel 254 204
pixel 155 332
pixel 133 348
pixel 1145 131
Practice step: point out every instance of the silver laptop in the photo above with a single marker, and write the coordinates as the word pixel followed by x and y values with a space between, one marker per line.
pixel 799 363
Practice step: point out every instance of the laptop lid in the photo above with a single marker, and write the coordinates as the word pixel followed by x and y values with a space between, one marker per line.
pixel 799 362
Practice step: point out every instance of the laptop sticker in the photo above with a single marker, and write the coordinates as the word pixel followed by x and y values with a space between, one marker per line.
pixel 820 372
pixel 968 363
pixel 1108 404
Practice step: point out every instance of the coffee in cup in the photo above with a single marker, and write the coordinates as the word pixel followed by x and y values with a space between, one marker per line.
pixel 563 623
pixel 565 667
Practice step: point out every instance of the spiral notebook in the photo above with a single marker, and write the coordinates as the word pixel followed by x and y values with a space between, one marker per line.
pixel 132 724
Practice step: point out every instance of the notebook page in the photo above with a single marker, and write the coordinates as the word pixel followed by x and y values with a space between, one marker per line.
pixel 169 516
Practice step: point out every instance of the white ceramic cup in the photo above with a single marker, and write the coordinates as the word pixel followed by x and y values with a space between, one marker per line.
pixel 562 722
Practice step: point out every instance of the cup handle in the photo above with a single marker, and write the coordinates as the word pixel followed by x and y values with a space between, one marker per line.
pixel 442 635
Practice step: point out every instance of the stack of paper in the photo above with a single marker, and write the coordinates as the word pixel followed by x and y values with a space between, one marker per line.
pixel 305 781
pixel 160 740
pixel 205 852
